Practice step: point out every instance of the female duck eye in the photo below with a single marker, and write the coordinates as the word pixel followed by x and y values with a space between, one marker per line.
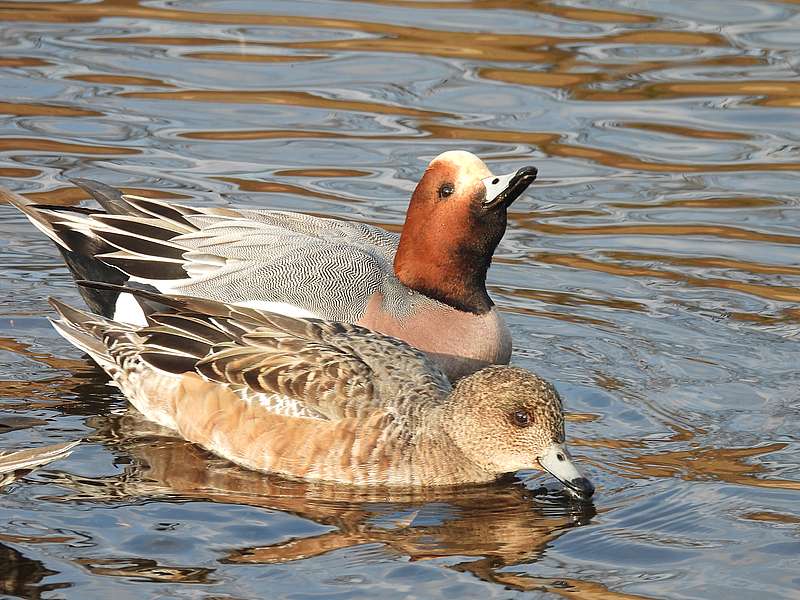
pixel 521 418
pixel 446 190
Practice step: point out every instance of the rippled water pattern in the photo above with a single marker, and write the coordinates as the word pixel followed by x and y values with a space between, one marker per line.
pixel 652 272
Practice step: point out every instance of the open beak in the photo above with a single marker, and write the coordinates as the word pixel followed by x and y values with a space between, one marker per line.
pixel 557 461
pixel 502 190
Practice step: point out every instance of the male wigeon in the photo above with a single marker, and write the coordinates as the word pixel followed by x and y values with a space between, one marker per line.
pixel 18 463
pixel 426 286
pixel 322 400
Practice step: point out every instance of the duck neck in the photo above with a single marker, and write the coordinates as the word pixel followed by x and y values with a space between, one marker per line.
pixel 441 460
pixel 450 266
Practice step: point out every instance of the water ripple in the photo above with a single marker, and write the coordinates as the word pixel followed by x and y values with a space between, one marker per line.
pixel 651 271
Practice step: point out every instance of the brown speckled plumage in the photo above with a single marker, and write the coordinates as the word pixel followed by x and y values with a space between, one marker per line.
pixel 318 400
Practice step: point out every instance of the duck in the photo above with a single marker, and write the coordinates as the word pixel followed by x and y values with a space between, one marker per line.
pixel 18 463
pixel 323 401
pixel 426 286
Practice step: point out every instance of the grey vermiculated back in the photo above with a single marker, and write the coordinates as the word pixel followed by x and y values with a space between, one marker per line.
pixel 322 265
pixel 325 266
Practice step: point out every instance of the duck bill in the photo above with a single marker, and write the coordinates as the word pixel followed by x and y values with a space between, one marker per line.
pixel 502 190
pixel 557 461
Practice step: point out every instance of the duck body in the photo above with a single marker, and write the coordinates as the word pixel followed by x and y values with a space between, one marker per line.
pixel 320 400
pixel 425 286
pixel 376 449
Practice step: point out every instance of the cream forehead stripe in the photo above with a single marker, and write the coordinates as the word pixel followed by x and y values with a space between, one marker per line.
pixel 470 168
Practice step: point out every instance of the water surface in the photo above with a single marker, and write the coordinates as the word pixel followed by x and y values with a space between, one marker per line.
pixel 652 272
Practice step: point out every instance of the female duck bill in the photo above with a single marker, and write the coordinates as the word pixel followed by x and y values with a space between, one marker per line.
pixel 557 461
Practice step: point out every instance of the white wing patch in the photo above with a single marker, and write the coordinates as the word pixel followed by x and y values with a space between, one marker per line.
pixel 282 308
pixel 127 310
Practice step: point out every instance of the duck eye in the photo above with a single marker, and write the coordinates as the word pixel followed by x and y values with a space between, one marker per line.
pixel 521 418
pixel 446 189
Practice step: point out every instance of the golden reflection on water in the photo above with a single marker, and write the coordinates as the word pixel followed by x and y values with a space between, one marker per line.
pixel 265 134
pixel 717 203
pixel 253 58
pixel 537 6
pixel 771 517
pixel 18 173
pixel 645 129
pixel 40 145
pixel 119 80
pixel 547 142
pixel 689 132
pixel 769 291
pixel 565 588
pixel 21 394
pixel 322 173
pixel 288 98
pixel 249 185
pixel 22 349
pixel 709 262
pixel 21 61
pixel 21 109
pixel 731 465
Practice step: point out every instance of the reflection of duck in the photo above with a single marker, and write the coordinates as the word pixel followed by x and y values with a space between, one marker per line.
pixel 323 401
pixel 427 286
pixel 16 464
pixel 503 522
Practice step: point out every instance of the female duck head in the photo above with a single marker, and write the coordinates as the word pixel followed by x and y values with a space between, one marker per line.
pixel 505 419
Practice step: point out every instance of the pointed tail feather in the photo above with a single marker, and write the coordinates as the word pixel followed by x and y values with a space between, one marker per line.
pixel 111 199
pixel 30 209
pixel 69 228
pixel 98 246
pixel 129 242
pixel 116 203
pixel 83 330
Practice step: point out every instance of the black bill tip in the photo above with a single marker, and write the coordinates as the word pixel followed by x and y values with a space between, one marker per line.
pixel 581 486
pixel 502 191
pixel 526 173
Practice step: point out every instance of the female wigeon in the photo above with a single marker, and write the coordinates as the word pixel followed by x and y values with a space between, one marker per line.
pixel 426 286
pixel 321 400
